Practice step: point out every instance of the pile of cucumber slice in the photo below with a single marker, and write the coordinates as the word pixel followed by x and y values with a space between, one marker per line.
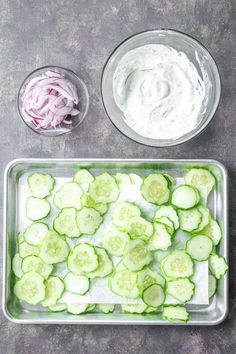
pixel 125 253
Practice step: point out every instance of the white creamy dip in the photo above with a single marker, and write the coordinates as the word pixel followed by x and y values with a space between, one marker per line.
pixel 159 91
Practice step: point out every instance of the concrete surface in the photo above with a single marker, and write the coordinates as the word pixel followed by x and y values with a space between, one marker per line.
pixel 80 34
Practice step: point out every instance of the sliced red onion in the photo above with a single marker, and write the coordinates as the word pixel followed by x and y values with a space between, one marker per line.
pixel 49 100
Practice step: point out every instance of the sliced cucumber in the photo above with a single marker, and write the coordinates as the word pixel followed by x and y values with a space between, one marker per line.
pixel 137 255
pixel 35 233
pixel 175 313
pixel 37 209
pixel 185 197
pixel 161 239
pixel 35 264
pixel 212 285
pixel 153 296
pixel 83 178
pixel 206 216
pixel 213 231
pixel 66 223
pixel 54 288
pixel 30 288
pixel 217 265
pixel 200 177
pixel 106 308
pixel 181 289
pixel 104 267
pixel 147 277
pixel 76 309
pixel 77 284
pixel 57 307
pixel 20 237
pixel 115 241
pixel 133 308
pixel 122 214
pixel 88 220
pixel 104 189
pixel 68 196
pixel 26 249
pixel 151 309
pixel 171 180
pixel 138 227
pixel 167 222
pixel 169 212
pixel 189 220
pixel 136 179
pixel 90 307
pixel 199 247
pixel 82 259
pixel 122 178
pixel 53 248
pixel 177 265
pixel 17 265
pixel 123 283
pixel 40 184
pixel 155 189
pixel 89 202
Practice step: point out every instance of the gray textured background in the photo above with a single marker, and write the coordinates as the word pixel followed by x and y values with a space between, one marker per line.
pixel 80 34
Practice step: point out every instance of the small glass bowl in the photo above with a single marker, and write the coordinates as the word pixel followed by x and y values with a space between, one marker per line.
pixel 82 105
pixel 196 53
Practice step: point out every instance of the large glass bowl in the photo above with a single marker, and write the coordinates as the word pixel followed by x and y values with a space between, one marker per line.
pixel 196 53
pixel 82 105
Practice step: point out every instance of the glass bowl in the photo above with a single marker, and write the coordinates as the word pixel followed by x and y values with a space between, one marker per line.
pixel 82 105
pixel 195 52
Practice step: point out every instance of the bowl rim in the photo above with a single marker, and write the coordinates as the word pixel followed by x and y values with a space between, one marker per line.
pixel 151 142
pixel 45 67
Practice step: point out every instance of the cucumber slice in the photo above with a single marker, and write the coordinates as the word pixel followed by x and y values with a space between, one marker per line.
pixel 68 196
pixel 175 313
pixel 185 197
pixel 65 223
pixel 37 209
pixel 83 178
pixel 178 264
pixel 181 289
pixel 106 308
pixel 136 179
pixel 213 231
pixel 35 264
pixel 150 309
pixel 122 178
pixel 82 259
pixel 40 184
pixel 206 216
pixel 54 288
pixel 153 296
pixel 26 249
pixel 168 224
pixel 115 241
pixel 57 308
pixel 88 220
pixel 123 283
pixel 90 307
pixel 169 212
pixel 17 265
pixel 139 228
pixel 76 309
pixel 199 247
pixel 217 265
pixel 89 202
pixel 105 265
pixel 35 233
pixel 137 255
pixel 189 220
pixel 20 238
pixel 122 214
pixel 212 285
pixel 76 284
pixel 200 177
pixel 104 189
pixel 147 277
pixel 171 180
pixel 30 288
pixel 161 239
pixel 53 248
pixel 133 308
pixel 155 189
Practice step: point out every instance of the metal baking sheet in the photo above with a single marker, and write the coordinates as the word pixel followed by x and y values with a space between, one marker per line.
pixel 210 314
